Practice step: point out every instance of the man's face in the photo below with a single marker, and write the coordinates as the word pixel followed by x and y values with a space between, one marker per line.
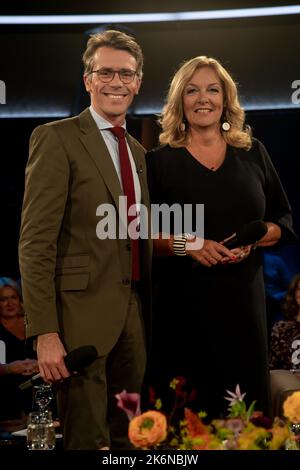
pixel 111 100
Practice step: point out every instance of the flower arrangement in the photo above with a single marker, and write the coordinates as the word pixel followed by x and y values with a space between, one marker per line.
pixel 243 429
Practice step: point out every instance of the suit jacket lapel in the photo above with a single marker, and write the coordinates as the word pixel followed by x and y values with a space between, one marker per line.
pixel 95 145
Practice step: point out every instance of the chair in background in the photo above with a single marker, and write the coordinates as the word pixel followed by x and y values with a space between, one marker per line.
pixel 283 384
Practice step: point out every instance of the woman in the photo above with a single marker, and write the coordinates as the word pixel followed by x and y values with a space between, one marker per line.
pixel 285 335
pixel 17 360
pixel 209 306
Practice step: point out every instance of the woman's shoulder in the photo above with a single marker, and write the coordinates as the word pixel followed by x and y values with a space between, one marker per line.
pixel 258 149
pixel 256 145
pixel 159 151
pixel 3 331
pixel 257 154
pixel 163 156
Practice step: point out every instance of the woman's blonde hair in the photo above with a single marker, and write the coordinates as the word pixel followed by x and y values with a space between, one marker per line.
pixel 172 116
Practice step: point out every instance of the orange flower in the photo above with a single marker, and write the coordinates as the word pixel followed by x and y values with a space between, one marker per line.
pixel 148 429
pixel 199 434
pixel 291 407
pixel 194 425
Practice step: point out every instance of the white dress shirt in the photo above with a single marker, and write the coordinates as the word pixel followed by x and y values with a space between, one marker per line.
pixel 112 144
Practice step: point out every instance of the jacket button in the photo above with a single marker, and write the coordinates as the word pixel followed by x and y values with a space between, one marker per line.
pixel 126 281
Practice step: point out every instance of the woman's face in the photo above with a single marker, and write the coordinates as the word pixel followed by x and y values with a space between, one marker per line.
pixel 203 99
pixel 297 294
pixel 10 304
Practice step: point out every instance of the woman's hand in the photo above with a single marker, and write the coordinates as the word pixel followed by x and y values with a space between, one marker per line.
pixel 240 253
pixel 208 252
pixel 22 367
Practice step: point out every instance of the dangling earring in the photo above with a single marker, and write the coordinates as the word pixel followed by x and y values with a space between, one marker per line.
pixel 226 126
pixel 182 126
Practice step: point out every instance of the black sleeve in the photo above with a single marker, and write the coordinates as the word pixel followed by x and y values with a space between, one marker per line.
pixel 278 209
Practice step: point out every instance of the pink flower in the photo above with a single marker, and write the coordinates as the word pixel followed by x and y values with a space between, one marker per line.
pixel 130 403
pixel 236 396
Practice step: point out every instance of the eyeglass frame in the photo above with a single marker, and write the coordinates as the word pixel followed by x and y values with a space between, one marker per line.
pixel 134 73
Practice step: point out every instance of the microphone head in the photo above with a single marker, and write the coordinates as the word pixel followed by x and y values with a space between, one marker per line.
pixel 251 232
pixel 80 358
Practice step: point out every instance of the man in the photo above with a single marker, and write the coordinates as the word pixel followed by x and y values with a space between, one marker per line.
pixel 80 289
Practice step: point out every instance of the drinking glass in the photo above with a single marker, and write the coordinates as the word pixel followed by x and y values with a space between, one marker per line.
pixel 42 396
pixel 40 431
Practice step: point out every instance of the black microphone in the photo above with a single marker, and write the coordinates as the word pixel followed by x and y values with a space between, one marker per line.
pixel 75 361
pixel 247 234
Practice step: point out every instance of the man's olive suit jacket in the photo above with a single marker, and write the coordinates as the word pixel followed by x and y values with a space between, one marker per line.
pixel 73 282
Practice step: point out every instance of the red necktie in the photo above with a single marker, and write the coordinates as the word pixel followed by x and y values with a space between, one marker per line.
pixel 128 189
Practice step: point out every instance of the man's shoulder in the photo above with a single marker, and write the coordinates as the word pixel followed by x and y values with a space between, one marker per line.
pixel 66 123
pixel 71 124
pixel 63 122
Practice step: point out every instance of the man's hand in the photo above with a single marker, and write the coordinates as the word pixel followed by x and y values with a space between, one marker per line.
pixel 51 353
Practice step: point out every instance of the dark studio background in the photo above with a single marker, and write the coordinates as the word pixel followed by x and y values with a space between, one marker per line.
pixel 41 67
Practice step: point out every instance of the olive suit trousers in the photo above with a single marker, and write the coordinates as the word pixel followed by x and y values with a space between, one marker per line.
pixel 87 405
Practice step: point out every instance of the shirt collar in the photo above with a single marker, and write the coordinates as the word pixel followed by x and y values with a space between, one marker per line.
pixel 102 123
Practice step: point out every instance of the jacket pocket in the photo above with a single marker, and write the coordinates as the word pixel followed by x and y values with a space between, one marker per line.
pixel 69 282
pixel 73 261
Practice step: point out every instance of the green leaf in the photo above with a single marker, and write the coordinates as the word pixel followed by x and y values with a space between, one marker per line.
pixel 251 410
pixel 158 404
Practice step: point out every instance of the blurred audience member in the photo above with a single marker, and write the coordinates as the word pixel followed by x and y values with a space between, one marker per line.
pixel 285 335
pixel 17 358
pixel 277 277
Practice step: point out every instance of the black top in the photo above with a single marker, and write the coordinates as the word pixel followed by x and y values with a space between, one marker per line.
pixel 12 400
pixel 209 323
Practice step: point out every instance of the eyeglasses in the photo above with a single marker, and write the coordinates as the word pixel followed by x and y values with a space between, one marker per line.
pixel 107 75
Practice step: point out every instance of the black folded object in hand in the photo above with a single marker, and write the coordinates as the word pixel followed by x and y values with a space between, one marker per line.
pixel 247 234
